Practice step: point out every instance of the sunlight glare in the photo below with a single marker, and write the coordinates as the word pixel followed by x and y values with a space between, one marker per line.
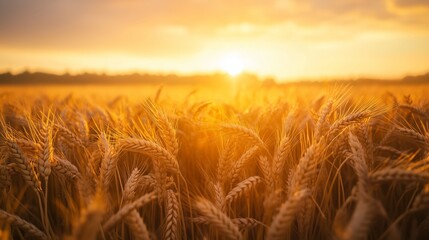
pixel 232 64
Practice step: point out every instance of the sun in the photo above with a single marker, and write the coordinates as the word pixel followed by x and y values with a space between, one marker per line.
pixel 231 64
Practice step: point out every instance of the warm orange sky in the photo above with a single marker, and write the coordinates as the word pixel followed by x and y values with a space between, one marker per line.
pixel 285 39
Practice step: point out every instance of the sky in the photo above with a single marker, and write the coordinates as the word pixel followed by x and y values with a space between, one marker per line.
pixel 283 39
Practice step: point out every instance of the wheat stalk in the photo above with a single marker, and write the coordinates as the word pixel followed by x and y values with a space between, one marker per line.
pixel 422 199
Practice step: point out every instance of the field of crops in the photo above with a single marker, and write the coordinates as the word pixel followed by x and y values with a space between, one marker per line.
pixel 294 162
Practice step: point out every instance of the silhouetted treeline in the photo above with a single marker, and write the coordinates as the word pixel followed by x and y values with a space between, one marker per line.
pixel 28 78
pixel 86 78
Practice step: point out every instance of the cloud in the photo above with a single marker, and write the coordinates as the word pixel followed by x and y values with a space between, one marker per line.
pixel 165 30
pixel 408 7
pixel 95 25
pixel 411 3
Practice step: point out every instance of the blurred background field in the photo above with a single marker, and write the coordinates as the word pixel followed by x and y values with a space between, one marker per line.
pixel 224 92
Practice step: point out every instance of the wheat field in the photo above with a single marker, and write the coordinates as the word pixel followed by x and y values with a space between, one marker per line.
pixel 296 162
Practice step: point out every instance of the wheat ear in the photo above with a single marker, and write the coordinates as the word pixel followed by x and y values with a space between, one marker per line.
pixel 168 133
pixel 389 149
pixel 397 174
pixel 219 195
pixel 108 167
pixel 414 110
pixel 131 185
pixel 238 166
pixel 281 224
pixel 358 161
pixel 152 149
pixel 166 128
pixel 28 146
pixel 133 219
pixel 147 181
pixel 410 133
pixel 347 121
pixel 218 219
pixel 242 223
pixel 24 166
pixel 69 137
pixel 225 161
pixel 170 231
pixel 321 121
pixel 6 217
pixel 242 188
pixel 126 209
pixel 362 218
pixel 238 130
pixel 137 225
pixel 304 172
pixel 66 168
pixel 46 155
pixel 90 220
pixel 265 167
pixel 5 180
pixel 280 159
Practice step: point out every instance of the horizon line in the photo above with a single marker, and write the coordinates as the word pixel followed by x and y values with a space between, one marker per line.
pixel 209 73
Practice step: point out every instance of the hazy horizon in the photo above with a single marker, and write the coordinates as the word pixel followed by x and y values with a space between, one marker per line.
pixel 214 73
pixel 282 39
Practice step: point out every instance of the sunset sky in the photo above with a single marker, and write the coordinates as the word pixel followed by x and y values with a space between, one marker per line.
pixel 284 39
